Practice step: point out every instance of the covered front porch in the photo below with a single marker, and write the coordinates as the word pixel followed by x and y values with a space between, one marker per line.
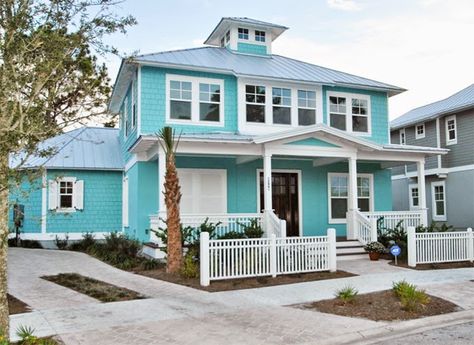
pixel 295 183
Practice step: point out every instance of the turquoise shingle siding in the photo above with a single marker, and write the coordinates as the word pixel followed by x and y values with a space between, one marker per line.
pixel 248 48
pixel 28 194
pixel 143 198
pixel 102 204
pixel 127 141
pixel 379 112
pixel 153 99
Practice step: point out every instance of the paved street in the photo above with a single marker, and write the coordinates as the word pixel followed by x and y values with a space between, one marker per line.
pixel 175 314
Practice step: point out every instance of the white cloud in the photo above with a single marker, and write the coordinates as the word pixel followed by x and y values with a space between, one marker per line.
pixel 344 5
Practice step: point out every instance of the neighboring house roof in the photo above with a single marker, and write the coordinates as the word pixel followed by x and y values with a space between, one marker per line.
pixel 222 60
pixel 461 100
pixel 85 148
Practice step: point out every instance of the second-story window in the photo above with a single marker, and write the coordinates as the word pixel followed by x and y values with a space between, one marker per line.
pixel 281 99
pixel 306 108
pixel 255 103
pixel 337 112
pixel 125 116
pixel 180 100
pixel 420 131
pixel 259 36
pixel 402 137
pixel 134 106
pixel 451 130
pixel 227 37
pixel 360 115
pixel 243 34
pixel 209 102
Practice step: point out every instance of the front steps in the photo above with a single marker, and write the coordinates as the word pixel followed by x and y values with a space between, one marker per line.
pixel 350 250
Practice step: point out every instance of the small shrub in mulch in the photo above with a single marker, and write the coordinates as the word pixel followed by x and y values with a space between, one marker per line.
pixel 244 283
pixel 382 306
pixel 94 288
pixel 15 306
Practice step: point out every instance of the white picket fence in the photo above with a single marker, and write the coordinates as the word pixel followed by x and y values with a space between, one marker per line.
pixel 241 258
pixel 439 247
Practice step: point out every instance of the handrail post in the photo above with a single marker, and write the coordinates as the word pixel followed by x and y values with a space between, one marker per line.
pixel 470 243
pixel 282 228
pixel 373 229
pixel 204 258
pixel 411 244
pixel 273 256
pixel 332 250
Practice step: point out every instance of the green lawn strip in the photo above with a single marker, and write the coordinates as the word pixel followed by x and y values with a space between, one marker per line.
pixel 94 288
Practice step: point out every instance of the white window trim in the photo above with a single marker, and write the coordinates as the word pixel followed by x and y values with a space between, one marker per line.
pixel 298 107
pixel 125 116
pixel 349 97
pixel 371 201
pixel 437 217
pixel 65 209
pixel 422 135
pixel 455 140
pixel 195 100
pixel 281 105
pixel 268 126
pixel 133 118
pixel 404 141
pixel 410 197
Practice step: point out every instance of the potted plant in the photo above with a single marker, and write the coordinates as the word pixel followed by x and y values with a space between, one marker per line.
pixel 374 249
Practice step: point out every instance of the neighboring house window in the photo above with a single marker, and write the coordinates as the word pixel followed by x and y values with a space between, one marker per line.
pixel 451 130
pixel 338 195
pixel 227 37
pixel 281 99
pixel 259 36
pixel 306 107
pixel 420 131
pixel 243 33
pixel 209 102
pixel 402 136
pixel 414 197
pixel 438 195
pixel 125 115
pixel 66 194
pixel 180 100
pixel 255 103
pixel 349 112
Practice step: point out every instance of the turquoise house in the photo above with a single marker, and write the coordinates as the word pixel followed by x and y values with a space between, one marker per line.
pixel 301 147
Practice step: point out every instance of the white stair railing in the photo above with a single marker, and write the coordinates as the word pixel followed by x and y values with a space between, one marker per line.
pixel 274 225
pixel 365 228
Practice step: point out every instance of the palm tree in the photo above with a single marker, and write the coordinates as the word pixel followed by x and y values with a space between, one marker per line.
pixel 169 142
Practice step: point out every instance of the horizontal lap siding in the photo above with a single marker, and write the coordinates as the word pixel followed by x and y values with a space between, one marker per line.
pixel 461 153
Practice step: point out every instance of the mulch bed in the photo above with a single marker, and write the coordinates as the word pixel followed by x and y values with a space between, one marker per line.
pixel 381 306
pixel 94 288
pixel 440 266
pixel 15 306
pixel 244 283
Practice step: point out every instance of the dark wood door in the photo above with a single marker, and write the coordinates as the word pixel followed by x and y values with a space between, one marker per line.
pixel 284 200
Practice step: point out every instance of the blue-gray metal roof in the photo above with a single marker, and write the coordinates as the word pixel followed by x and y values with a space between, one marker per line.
pixel 250 21
pixel 461 100
pixel 272 66
pixel 86 148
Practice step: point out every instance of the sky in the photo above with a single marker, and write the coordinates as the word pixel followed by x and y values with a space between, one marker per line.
pixel 424 46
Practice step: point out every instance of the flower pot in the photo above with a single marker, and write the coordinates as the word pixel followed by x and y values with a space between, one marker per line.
pixel 374 256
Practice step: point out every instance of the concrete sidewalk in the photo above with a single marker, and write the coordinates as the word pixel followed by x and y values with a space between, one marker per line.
pixel 177 314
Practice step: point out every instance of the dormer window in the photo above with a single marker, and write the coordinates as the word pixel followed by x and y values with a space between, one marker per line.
pixel 259 36
pixel 243 34
pixel 227 36
pixel 222 42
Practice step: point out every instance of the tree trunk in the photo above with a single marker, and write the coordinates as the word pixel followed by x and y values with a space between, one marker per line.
pixel 172 199
pixel 4 319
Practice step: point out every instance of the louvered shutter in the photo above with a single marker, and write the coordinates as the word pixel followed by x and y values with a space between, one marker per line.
pixel 52 195
pixel 79 195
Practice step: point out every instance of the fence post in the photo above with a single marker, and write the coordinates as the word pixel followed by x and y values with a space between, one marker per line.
pixel 373 229
pixel 273 256
pixel 332 249
pixel 411 244
pixel 470 243
pixel 204 258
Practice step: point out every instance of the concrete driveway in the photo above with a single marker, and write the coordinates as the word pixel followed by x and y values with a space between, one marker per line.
pixel 175 314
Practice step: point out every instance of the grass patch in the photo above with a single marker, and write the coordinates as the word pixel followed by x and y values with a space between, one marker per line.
pixel 94 288
pixel 15 306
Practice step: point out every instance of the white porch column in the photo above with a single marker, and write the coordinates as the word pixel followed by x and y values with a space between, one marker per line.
pixel 161 181
pixel 352 197
pixel 267 182
pixel 420 166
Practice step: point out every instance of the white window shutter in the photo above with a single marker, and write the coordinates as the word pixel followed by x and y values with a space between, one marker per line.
pixel 78 195
pixel 52 194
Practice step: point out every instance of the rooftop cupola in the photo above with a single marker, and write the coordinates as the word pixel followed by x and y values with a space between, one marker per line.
pixel 245 35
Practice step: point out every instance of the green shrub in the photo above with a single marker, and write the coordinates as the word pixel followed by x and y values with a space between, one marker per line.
pixel 252 230
pixel 346 294
pixel 187 236
pixel 434 227
pixel 232 235
pixel 62 244
pixel 411 298
pixel 190 264
pixel 83 245
pixel 375 247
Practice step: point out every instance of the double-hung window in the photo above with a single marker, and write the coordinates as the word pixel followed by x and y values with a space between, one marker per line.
pixel 66 191
pixel 414 197
pixel 360 115
pixel 451 130
pixel 180 100
pixel 125 116
pixel 255 103
pixel 259 36
pixel 209 102
pixel 402 137
pixel 438 196
pixel 243 33
pixel 306 108
pixel 420 131
pixel 281 99
pixel 134 106
pixel 349 112
pixel 227 37
pixel 337 112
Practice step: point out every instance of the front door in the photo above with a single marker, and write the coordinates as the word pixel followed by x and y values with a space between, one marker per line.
pixel 284 199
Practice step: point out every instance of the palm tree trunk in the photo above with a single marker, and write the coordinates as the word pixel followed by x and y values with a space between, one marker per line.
pixel 172 199
pixel 4 319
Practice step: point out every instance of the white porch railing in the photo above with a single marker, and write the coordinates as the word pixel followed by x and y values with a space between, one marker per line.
pixel 240 258
pixel 390 219
pixel 365 229
pixel 274 225
pixel 439 247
